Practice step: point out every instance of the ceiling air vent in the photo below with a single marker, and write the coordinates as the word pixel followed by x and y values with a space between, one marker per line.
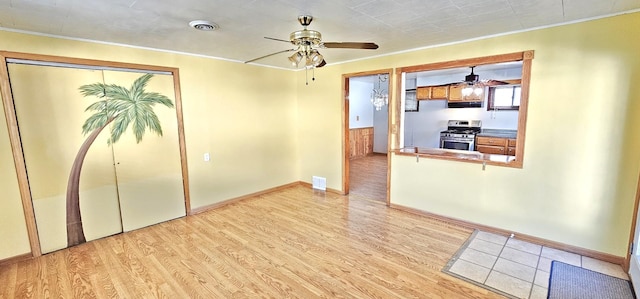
pixel 203 25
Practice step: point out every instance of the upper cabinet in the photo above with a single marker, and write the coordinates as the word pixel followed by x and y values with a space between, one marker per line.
pixel 423 93
pixel 451 93
pixel 455 93
pixel 440 92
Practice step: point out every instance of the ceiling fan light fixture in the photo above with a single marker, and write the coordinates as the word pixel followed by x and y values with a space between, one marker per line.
pixel 472 85
pixel 476 88
pixel 295 59
pixel 204 25
pixel 314 58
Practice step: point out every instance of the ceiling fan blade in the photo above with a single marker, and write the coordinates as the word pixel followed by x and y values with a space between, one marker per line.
pixel 277 39
pixel 447 84
pixel 322 63
pixel 492 82
pixel 350 45
pixel 265 56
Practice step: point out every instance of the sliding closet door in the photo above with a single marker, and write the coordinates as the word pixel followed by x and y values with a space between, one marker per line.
pixel 51 112
pixel 149 172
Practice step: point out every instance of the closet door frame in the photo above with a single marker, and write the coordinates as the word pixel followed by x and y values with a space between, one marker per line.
pixel 14 133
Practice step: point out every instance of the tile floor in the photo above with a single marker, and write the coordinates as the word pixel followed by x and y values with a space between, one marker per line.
pixel 516 268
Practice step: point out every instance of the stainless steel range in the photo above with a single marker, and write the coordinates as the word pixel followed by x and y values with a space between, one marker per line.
pixel 460 134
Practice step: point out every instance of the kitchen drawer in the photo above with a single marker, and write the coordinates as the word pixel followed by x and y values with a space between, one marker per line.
pixel 489 149
pixel 512 142
pixel 481 140
pixel 511 151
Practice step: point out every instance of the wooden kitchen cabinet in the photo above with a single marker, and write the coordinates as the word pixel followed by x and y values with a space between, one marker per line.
pixel 360 142
pixel 511 147
pixel 432 92
pixel 455 93
pixel 493 141
pixel 496 145
pixel 439 92
pixel 490 149
pixel 451 93
pixel 423 93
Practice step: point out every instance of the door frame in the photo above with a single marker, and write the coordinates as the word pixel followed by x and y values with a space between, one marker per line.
pixel 345 125
pixel 632 265
pixel 14 134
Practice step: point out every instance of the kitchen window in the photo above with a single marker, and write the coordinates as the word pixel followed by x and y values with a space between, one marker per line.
pixel 504 98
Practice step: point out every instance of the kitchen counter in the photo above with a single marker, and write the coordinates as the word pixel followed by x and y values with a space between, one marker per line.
pixel 499 133
pixel 450 154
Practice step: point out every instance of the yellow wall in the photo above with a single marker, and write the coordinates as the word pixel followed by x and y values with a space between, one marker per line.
pixel 264 128
pixel 245 116
pixel 582 148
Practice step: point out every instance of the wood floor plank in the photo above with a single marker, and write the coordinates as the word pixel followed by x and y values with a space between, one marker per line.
pixel 368 177
pixel 291 243
pixel 8 280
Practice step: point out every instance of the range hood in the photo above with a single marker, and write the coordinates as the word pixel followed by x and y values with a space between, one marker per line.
pixel 474 104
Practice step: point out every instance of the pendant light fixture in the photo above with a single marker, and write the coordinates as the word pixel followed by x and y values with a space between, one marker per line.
pixel 379 97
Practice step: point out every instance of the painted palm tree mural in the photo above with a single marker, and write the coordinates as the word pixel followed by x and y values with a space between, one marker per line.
pixel 122 108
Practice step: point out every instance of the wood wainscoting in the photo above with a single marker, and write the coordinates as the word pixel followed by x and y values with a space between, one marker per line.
pixel 360 142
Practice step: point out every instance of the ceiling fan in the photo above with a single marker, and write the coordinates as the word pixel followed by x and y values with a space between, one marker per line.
pixel 473 78
pixel 307 42
pixel 473 84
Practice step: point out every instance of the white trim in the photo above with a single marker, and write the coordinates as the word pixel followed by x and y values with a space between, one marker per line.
pixel 634 274
pixel 329 64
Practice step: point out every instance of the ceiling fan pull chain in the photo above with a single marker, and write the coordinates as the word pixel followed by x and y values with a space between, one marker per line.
pixel 306 76
pixel 313 72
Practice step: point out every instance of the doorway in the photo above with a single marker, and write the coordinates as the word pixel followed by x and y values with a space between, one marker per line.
pixel 366 134
pixel 633 256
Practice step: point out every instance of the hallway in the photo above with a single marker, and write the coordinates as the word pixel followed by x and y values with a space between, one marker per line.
pixel 368 177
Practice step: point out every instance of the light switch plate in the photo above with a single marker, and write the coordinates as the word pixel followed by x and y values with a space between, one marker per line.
pixel 207 157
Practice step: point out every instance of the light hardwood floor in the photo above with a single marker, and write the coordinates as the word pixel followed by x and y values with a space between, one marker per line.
pixel 368 177
pixel 293 243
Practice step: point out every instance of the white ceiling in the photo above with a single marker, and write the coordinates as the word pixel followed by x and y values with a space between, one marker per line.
pixel 395 25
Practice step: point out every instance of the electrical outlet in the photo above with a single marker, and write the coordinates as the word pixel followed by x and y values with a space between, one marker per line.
pixel 207 157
